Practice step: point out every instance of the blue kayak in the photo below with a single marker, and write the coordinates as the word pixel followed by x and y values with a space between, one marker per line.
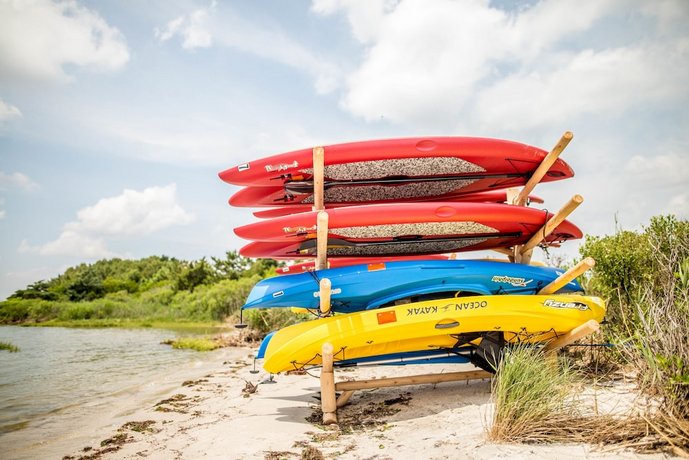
pixel 362 287
pixel 395 359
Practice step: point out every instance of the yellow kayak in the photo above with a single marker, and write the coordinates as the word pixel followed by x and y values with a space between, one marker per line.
pixel 433 324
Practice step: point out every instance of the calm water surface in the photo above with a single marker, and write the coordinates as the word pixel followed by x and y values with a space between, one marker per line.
pixel 61 375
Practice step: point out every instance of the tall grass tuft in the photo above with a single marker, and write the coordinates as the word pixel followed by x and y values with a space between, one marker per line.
pixel 9 347
pixel 531 394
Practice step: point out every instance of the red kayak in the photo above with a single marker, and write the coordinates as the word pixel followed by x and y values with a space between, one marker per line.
pixel 491 196
pixel 402 229
pixel 395 170
pixel 347 261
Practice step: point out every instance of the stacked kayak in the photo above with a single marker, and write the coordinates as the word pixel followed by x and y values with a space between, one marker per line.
pixel 372 286
pixel 445 324
pixel 398 212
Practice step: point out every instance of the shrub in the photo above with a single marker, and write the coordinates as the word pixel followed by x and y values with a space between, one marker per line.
pixel 265 320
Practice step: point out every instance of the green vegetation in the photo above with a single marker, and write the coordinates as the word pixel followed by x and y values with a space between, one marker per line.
pixel 270 319
pixel 8 346
pixel 530 395
pixel 194 343
pixel 645 279
pixel 143 293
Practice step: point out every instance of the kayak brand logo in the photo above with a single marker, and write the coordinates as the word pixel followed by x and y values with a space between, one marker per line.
pixel 516 282
pixel 559 304
pixel 333 292
pixel 243 167
pixel 282 166
pixel 299 229
pixel 466 305
pixel 421 311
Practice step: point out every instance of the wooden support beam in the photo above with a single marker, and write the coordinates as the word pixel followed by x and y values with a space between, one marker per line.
pixel 324 294
pixel 506 251
pixel 412 380
pixel 318 178
pixel 322 240
pixel 541 171
pixel 552 224
pixel 344 398
pixel 575 334
pixel 328 401
pixel 568 276
pixel 511 195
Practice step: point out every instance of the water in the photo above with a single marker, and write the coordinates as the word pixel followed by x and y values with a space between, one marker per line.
pixel 61 376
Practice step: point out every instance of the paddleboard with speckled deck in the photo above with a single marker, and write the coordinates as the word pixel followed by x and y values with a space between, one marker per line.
pixel 264 196
pixel 402 229
pixel 395 170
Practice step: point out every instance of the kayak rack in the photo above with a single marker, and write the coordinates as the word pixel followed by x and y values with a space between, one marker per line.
pixel 330 402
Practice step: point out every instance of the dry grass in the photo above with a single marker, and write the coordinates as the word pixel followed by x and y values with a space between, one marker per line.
pixel 530 395
pixel 534 404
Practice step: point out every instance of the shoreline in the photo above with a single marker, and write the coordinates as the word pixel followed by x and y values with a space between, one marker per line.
pixel 207 413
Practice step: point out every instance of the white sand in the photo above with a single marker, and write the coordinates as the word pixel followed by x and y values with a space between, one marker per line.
pixel 438 421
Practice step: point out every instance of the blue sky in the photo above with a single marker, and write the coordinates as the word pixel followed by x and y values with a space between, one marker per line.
pixel 115 117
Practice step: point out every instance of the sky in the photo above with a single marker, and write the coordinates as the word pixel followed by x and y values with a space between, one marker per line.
pixel 115 117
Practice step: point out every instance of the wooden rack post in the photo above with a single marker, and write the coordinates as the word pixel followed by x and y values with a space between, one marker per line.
pixel 541 171
pixel 322 240
pixel 552 224
pixel 324 295
pixel 318 178
pixel 328 401
pixel 568 276
pixel 319 205
pixel 575 334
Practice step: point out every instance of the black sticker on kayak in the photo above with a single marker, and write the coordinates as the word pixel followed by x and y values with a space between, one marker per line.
pixel 560 304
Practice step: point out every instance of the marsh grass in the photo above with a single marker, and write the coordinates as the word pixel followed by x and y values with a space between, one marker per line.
pixel 530 393
pixel 9 347
pixel 534 402
pixel 194 343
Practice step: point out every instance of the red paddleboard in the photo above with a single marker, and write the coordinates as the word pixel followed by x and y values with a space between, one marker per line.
pixel 402 229
pixel 347 261
pixel 491 196
pixel 390 169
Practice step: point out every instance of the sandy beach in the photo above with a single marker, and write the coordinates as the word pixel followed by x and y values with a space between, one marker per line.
pixel 208 413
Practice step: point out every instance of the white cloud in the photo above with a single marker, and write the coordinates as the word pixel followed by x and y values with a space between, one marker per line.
pixel 39 38
pixel 679 206
pixel 589 82
pixel 8 112
pixel 663 170
pixel 436 63
pixel 132 213
pixel 17 180
pixel 2 214
pixel 212 25
pixel 364 17
pixel 193 29
pixel 72 244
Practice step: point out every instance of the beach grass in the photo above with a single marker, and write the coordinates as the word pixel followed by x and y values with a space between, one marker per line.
pixel 529 391
pixel 194 343
pixel 9 347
